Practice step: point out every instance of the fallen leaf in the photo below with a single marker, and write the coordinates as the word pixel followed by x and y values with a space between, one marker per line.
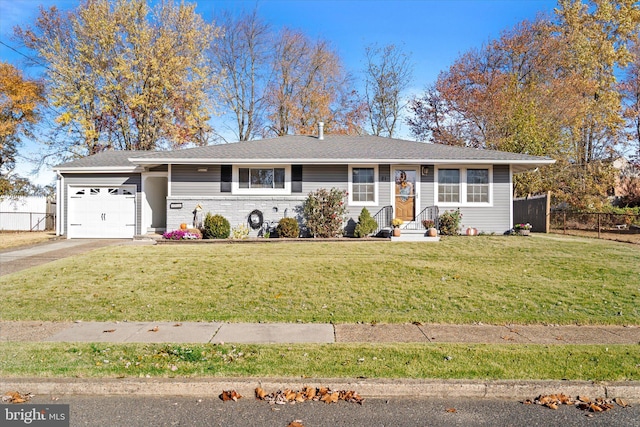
pixel 595 408
pixel 16 397
pixel 330 397
pixel 310 392
pixel 109 331
pixel 584 399
pixel 621 402
pixel 552 405
pixel 154 329
pixel 289 395
pixel 296 423
pixel 177 324
pixel 229 395
pixel 451 410
pixel 260 393
pixel 507 338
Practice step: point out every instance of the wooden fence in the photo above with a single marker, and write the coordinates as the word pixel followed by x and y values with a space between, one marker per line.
pixel 533 210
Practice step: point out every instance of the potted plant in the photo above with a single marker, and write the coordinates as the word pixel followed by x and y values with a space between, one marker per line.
pixel 396 223
pixel 430 225
pixel 522 229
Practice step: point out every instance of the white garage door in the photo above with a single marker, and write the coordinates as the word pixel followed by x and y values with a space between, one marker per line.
pixel 101 212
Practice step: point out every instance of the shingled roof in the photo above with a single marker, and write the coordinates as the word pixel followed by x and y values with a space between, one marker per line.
pixel 302 149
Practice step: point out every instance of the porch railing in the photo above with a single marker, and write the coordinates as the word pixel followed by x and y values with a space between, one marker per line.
pixel 383 217
pixel 428 213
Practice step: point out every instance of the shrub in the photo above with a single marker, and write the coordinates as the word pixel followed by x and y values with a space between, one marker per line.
pixel 215 227
pixel 240 232
pixel 449 222
pixel 366 224
pixel 323 211
pixel 288 227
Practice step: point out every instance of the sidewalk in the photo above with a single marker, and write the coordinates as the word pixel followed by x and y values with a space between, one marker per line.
pixel 290 333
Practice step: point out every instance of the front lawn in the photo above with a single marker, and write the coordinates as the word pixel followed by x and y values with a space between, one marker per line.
pixel 489 279
pixel 16 239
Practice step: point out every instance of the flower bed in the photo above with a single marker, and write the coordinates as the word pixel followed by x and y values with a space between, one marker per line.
pixel 190 234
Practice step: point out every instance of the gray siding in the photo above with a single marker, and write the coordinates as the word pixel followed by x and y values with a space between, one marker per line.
pixel 427 195
pixel 103 180
pixel 495 219
pixel 315 177
pixel 187 181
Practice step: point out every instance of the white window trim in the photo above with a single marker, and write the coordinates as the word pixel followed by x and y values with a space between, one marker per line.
pixel 375 185
pixel 235 185
pixel 463 186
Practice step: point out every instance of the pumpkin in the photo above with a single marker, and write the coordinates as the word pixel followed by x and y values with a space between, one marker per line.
pixel 183 226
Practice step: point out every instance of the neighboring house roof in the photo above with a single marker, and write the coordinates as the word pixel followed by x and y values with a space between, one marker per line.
pixel 302 149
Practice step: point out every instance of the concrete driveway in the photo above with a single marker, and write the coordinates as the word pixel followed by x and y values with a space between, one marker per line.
pixel 27 257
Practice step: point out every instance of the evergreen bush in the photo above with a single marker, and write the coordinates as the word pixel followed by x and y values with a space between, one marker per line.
pixel 366 224
pixel 288 227
pixel 215 227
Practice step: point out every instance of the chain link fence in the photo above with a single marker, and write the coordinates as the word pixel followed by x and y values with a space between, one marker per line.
pixel 601 225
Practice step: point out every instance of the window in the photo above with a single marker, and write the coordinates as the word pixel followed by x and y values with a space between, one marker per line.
pixel 261 178
pixel 464 186
pixel 449 185
pixel 477 185
pixel 363 186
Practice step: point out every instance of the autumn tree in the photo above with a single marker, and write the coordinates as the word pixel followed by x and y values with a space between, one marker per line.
pixel 20 100
pixel 388 71
pixel 543 88
pixel 124 75
pixel 308 85
pixel 597 34
pixel 242 54
pixel 630 90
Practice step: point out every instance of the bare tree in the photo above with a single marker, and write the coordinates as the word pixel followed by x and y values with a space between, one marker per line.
pixel 388 72
pixel 309 85
pixel 243 55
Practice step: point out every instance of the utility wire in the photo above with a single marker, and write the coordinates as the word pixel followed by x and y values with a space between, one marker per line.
pixel 35 61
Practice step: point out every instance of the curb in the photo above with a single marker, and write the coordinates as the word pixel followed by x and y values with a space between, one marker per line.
pixel 368 388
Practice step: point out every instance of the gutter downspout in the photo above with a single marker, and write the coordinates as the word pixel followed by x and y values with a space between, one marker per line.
pixel 59 210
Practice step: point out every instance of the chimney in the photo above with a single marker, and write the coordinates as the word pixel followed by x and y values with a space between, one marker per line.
pixel 320 130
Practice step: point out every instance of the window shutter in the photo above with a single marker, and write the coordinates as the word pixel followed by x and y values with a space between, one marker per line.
pixel 296 178
pixel 225 178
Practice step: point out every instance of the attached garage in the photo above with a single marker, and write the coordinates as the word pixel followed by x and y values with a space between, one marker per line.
pixel 101 212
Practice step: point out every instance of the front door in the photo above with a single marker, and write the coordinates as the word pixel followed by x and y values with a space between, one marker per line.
pixel 405 193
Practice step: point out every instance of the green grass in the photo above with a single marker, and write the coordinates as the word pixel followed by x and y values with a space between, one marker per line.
pixel 489 279
pixel 574 362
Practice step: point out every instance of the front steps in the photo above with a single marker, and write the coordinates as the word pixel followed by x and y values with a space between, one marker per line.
pixel 414 236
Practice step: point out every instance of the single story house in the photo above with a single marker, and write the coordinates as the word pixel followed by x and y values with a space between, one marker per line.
pixel 120 194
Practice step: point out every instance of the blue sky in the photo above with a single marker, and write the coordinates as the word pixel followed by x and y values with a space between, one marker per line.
pixel 435 32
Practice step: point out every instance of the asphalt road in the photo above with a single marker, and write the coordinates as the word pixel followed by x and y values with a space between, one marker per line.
pixel 210 411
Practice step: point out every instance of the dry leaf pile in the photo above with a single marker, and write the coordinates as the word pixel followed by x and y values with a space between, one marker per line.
pixel 322 394
pixel 230 395
pixel 584 403
pixel 16 397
